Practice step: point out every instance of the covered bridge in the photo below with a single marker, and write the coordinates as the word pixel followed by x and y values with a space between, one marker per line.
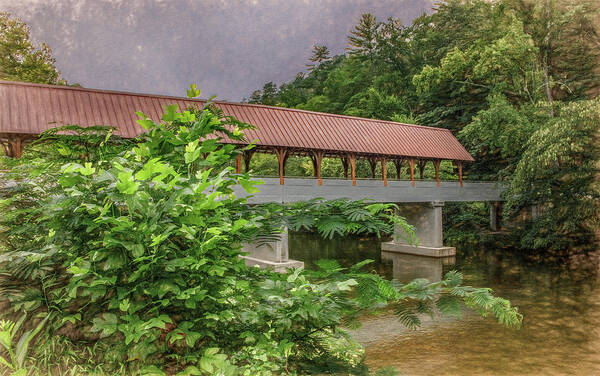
pixel 26 110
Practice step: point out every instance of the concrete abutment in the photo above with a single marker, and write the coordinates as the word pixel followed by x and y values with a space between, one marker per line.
pixel 271 255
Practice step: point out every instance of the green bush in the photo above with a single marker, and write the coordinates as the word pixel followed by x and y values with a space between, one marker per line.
pixel 138 255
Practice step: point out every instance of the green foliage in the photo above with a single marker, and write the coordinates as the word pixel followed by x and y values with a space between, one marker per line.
pixel 135 257
pixel 498 136
pixel 362 40
pixel 465 223
pixel 320 53
pixel 332 218
pixel 558 175
pixel 16 350
pixel 493 72
pixel 20 59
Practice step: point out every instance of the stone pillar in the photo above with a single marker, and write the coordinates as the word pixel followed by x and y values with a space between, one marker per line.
pixel 273 255
pixel 427 220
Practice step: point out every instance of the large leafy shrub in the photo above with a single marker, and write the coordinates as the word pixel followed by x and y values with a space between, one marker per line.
pixel 140 252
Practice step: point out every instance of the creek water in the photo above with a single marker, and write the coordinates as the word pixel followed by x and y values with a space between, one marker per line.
pixel 561 307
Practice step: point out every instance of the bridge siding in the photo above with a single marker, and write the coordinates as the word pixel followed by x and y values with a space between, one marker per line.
pixel 298 189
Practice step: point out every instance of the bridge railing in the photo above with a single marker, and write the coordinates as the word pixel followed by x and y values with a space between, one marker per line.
pixel 375 179
pixel 301 189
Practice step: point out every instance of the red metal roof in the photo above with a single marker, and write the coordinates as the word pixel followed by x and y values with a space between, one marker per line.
pixel 27 108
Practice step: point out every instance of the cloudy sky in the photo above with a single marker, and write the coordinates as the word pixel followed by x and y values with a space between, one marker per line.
pixel 228 47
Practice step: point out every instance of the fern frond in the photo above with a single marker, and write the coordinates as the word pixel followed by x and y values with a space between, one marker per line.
pixel 449 305
pixel 406 315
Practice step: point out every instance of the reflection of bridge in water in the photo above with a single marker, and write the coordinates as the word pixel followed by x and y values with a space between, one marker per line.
pixel 407 267
pixel 349 251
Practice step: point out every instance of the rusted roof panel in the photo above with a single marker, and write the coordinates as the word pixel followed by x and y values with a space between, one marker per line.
pixel 32 108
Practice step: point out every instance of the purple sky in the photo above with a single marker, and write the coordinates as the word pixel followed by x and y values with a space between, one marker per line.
pixel 229 48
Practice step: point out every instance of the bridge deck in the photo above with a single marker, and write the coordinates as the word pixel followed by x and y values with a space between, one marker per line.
pixel 299 189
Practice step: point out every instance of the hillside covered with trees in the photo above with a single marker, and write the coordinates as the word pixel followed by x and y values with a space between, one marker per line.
pixel 515 80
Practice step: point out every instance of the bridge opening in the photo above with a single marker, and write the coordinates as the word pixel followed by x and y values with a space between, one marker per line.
pixel 379 166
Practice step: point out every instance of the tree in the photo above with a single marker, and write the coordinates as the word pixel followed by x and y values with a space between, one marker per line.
pixel 567 39
pixel 320 53
pixel 557 177
pixel 362 40
pixel 20 59
pixel 268 95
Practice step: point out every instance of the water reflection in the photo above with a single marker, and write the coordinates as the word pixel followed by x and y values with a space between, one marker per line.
pixel 405 268
pixel 561 306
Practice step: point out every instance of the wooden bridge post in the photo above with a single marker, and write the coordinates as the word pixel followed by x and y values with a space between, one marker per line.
pixel 411 165
pixel 317 159
pixel 352 159
pixel 384 171
pixel 238 164
pixel 13 144
pixel 281 153
pixel 436 164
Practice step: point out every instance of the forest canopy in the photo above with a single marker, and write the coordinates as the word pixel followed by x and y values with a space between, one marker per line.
pixel 498 74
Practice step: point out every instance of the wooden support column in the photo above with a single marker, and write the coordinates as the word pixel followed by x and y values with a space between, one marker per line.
pixel 398 164
pixel 281 153
pixel 352 159
pixel 422 163
pixel 317 159
pixel 460 173
pixel 13 145
pixel 436 164
pixel 6 148
pixel 373 164
pixel 384 171
pixel 287 155
pixel 238 164
pixel 247 158
pixel 345 165
pixel 411 165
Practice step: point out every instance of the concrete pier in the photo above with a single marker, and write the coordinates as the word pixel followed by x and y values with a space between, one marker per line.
pixel 427 220
pixel 271 255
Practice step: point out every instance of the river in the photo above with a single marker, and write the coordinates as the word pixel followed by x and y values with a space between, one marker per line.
pixel 560 304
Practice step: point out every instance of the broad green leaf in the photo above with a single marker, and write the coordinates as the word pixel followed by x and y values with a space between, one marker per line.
pixel 107 324
pixel 249 185
pixel 23 344
pixel 124 305
pixel 151 371
pixel 189 371
pixel 5 339
pixel 158 322
pixel 170 113
pixel 87 169
pixel 144 121
pixel 126 184
pixel 193 91
pixel 347 285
